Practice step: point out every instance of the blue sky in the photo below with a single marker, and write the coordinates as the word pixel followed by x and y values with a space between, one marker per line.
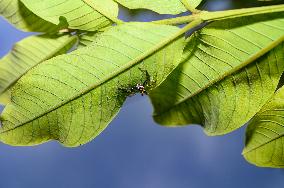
pixel 133 152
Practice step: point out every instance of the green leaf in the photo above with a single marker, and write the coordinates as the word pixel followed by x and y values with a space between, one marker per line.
pixel 87 38
pixel 194 3
pixel 159 6
pixel 265 133
pixel 89 15
pixel 72 98
pixel 28 53
pixel 222 81
pixel 191 4
pixel 5 98
pixel 17 14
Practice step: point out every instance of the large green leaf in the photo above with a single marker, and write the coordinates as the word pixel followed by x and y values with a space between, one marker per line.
pixel 30 52
pixel 87 38
pixel 159 6
pixel 88 15
pixel 17 14
pixel 222 82
pixel 265 133
pixel 72 98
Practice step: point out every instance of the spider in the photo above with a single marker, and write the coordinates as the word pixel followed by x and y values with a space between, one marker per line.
pixel 139 88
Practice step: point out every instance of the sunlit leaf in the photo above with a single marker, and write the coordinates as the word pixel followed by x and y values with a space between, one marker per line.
pixel 159 6
pixel 87 38
pixel 17 14
pixel 223 80
pixel 5 98
pixel 265 133
pixel 191 3
pixel 72 98
pixel 28 53
pixel 88 15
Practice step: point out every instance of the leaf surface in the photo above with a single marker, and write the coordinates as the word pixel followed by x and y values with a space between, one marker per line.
pixel 265 133
pixel 89 15
pixel 5 98
pixel 159 6
pixel 28 53
pixel 17 14
pixel 72 98
pixel 191 3
pixel 223 80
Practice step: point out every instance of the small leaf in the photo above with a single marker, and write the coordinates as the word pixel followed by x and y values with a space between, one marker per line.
pixel 265 133
pixel 72 98
pixel 222 81
pixel 159 6
pixel 17 14
pixel 28 53
pixel 191 3
pixel 89 15
pixel 5 98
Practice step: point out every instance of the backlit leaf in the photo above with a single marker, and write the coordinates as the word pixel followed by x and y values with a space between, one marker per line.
pixel 17 14
pixel 89 15
pixel 28 53
pixel 265 133
pixel 72 98
pixel 223 80
pixel 159 6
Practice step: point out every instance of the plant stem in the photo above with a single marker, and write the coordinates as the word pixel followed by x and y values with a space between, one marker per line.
pixel 177 21
pixel 188 6
pixel 222 15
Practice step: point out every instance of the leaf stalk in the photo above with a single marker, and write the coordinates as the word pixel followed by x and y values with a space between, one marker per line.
pixel 221 15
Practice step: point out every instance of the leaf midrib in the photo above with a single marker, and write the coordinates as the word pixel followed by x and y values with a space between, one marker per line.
pixel 228 73
pixel 123 69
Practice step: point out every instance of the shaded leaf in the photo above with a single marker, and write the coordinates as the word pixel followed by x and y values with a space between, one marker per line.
pixel 72 98
pixel 265 133
pixel 17 14
pixel 87 38
pixel 28 53
pixel 223 81
pixel 159 6
pixel 89 15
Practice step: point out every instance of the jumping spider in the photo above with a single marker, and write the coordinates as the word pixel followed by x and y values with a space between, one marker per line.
pixel 139 88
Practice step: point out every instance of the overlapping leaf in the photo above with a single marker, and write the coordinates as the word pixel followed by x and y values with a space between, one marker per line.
pixel 265 133
pixel 17 14
pixel 222 82
pixel 30 52
pixel 71 98
pixel 89 15
pixel 159 6
pixel 5 98
pixel 87 38
pixel 191 3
